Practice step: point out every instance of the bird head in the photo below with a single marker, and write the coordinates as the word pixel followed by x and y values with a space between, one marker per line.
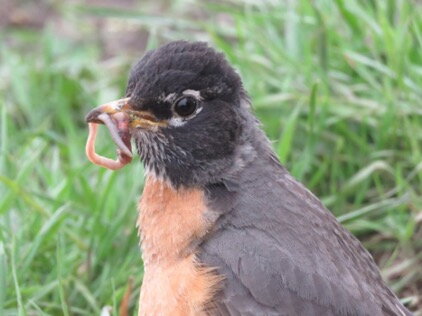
pixel 182 109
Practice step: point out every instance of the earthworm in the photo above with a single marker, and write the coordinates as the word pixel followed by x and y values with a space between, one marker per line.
pixel 98 159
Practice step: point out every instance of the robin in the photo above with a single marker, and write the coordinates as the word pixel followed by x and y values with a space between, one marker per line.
pixel 225 229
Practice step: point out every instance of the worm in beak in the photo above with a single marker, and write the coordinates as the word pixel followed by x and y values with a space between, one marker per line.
pixel 121 119
pixel 113 116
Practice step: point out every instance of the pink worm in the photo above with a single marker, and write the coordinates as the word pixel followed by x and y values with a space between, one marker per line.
pixel 97 159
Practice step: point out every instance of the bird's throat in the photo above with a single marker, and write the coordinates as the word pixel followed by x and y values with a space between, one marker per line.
pixel 171 222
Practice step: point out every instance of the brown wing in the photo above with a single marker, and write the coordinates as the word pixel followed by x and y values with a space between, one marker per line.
pixel 283 253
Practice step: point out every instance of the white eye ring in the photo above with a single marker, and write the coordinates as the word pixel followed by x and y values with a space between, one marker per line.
pixel 185 106
pixel 177 120
pixel 194 93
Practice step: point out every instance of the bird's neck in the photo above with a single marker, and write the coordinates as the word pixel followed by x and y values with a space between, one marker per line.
pixel 171 221
pixel 171 224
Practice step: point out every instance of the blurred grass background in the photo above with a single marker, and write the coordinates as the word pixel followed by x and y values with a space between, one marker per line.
pixel 337 85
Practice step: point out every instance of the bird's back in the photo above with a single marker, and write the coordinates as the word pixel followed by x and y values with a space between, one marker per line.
pixel 283 253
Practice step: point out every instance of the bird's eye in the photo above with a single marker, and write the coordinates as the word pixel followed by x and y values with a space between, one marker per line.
pixel 185 106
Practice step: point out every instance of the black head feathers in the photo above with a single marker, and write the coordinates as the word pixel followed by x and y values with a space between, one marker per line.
pixel 199 147
pixel 180 66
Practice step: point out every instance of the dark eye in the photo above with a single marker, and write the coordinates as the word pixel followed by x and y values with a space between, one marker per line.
pixel 185 106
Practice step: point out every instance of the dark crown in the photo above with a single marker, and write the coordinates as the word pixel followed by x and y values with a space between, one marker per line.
pixel 183 65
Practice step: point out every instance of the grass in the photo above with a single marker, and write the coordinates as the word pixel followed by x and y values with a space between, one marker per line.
pixel 337 85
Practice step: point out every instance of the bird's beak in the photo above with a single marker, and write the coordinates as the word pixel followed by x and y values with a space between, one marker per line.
pixel 120 118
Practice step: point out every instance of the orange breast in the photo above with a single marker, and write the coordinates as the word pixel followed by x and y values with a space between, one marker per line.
pixel 171 222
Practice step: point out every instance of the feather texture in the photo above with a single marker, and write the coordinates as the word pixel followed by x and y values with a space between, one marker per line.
pixel 283 253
